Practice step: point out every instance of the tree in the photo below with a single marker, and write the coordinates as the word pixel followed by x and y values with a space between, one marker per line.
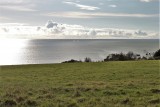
pixel 87 59
pixel 130 55
pixel 157 54
pixel 122 57
pixel 116 57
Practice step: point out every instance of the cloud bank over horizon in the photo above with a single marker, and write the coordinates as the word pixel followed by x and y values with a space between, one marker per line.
pixel 80 18
pixel 54 30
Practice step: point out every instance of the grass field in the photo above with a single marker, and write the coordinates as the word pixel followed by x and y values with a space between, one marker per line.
pixel 100 84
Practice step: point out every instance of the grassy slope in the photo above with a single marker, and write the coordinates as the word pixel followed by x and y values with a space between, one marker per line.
pixel 105 84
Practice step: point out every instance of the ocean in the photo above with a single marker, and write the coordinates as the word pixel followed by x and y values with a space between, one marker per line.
pixel 24 51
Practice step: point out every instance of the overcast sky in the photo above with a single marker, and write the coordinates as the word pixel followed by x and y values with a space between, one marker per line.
pixel 115 18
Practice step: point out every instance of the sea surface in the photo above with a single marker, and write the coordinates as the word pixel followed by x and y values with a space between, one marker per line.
pixel 22 51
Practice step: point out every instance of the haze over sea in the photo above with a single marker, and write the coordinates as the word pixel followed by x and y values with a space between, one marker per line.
pixel 24 51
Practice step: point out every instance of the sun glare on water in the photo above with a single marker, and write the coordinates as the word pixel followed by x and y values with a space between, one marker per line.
pixel 10 49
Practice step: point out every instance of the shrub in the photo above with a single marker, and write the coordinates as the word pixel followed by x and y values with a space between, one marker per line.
pixel 123 57
pixel 71 61
pixel 157 54
pixel 87 59
pixel 116 57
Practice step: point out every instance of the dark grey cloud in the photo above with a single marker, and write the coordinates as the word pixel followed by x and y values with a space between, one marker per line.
pixel 51 24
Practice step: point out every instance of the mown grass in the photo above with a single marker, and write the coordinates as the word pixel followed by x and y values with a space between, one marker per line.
pixel 101 84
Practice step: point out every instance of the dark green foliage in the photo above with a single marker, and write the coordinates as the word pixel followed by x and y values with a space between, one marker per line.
pixel 130 55
pixel 123 57
pixel 87 59
pixel 71 61
pixel 157 54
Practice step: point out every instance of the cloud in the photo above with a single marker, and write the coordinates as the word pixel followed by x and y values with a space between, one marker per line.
pixel 145 0
pixel 4 2
pixel 148 0
pixel 17 5
pixel 92 32
pixel 4 18
pixel 5 29
pixel 141 33
pixel 97 15
pixel 68 15
pixel 18 8
pixel 83 7
pixel 51 24
pixel 113 5
pixel 54 30
pixel 13 24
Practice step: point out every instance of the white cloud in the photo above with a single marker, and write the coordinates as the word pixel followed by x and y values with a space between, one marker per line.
pixel 113 5
pixel 13 1
pixel 96 15
pixel 145 0
pixel 17 8
pixel 13 24
pixel 148 0
pixel 92 32
pixel 83 7
pixel 17 5
pixel 68 14
pixel 55 30
pixel 4 18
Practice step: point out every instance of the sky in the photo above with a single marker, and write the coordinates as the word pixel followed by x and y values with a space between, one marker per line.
pixel 79 19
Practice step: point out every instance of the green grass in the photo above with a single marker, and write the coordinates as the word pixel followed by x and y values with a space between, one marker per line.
pixel 101 84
